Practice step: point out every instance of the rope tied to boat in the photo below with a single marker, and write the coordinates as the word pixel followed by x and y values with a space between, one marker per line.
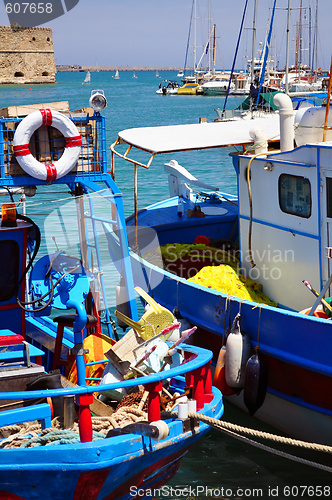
pixel 235 430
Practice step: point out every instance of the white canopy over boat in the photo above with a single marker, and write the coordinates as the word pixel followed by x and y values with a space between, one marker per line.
pixel 175 138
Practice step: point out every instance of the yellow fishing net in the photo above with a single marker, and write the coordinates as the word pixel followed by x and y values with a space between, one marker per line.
pixel 224 278
pixel 222 275
pixel 174 251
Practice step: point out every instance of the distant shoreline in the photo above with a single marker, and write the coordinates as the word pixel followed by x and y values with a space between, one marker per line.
pixel 77 68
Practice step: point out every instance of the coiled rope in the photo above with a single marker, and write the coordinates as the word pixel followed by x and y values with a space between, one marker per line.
pixel 31 435
pixel 235 430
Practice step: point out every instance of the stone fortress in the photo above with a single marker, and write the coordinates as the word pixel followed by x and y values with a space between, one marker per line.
pixel 26 55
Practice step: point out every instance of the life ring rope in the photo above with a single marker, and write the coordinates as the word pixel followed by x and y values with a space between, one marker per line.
pixel 24 131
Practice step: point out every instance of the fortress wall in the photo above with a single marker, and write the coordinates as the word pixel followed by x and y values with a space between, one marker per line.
pixel 26 55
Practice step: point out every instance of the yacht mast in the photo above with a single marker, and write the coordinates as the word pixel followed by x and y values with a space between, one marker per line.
pixel 316 39
pixel 287 47
pixel 253 43
pixel 214 49
pixel 195 33
pixel 209 28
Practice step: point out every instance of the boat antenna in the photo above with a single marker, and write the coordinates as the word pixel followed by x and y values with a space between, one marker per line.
pixel 235 55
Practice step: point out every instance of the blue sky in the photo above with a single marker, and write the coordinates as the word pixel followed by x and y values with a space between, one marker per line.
pixel 155 32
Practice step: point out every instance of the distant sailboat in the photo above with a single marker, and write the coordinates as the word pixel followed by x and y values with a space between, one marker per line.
pixel 116 76
pixel 87 78
pixel 134 75
pixel 157 74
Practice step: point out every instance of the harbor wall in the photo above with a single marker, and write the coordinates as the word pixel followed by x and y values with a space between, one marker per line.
pixel 26 55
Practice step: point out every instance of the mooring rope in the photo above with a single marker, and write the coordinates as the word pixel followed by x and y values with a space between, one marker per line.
pixel 30 435
pixel 235 430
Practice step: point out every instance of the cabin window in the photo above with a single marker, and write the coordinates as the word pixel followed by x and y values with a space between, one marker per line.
pixel 9 267
pixel 329 197
pixel 295 195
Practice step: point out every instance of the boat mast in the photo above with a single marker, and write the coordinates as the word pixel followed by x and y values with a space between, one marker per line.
pixel 309 58
pixel 287 47
pixel 234 59
pixel 253 43
pixel 214 49
pixel 316 39
pixel 266 53
pixel 253 51
pixel 188 41
pixel 209 28
pixel 195 33
pixel 300 37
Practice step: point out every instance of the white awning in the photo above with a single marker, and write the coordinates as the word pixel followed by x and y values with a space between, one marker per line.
pixel 174 138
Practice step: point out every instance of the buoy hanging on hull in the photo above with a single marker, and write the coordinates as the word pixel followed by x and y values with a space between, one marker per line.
pixel 238 351
pixel 256 382
pixel 219 379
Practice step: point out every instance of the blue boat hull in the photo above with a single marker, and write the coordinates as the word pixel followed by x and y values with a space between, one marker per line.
pixel 111 468
pixel 297 348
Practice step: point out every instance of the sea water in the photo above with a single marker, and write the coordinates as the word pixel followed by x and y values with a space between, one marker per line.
pixel 218 466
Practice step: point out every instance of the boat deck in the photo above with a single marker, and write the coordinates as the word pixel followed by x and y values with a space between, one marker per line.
pixel 214 218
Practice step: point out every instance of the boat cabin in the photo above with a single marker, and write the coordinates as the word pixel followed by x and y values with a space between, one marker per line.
pixel 285 216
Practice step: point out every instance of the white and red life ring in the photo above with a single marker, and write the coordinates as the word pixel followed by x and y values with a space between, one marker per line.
pixel 23 135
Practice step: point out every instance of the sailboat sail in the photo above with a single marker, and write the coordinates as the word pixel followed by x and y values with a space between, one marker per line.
pixel 87 78
pixel 117 74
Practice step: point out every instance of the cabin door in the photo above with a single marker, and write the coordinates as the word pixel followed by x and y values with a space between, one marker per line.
pixel 326 225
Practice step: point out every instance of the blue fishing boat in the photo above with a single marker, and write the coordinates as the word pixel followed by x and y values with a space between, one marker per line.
pixel 64 372
pixel 259 260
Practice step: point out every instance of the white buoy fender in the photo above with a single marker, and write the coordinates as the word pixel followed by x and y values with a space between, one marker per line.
pixel 28 162
pixel 237 354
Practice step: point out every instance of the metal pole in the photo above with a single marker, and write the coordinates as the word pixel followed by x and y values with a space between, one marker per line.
pixel 253 43
pixel 195 33
pixel 327 104
pixel 135 201
pixel 287 47
pixel 209 28
pixel 316 38
pixel 309 59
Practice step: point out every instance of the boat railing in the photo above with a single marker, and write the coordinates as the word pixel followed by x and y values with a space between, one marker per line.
pixel 229 114
pixel 195 368
pixel 197 358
